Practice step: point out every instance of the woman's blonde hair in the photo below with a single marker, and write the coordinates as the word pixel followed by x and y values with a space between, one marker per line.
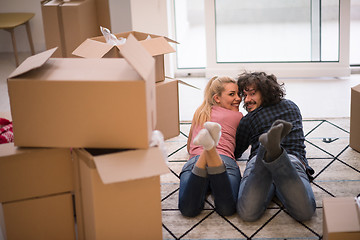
pixel 215 86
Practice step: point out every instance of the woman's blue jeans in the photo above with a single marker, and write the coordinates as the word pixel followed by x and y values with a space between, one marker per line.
pixel 284 177
pixel 223 186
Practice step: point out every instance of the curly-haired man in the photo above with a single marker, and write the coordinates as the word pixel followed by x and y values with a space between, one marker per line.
pixel 277 164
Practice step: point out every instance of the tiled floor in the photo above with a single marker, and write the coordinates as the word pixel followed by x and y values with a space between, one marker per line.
pixel 337 174
pixel 326 111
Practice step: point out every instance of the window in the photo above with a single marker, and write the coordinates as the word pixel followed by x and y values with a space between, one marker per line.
pixel 290 38
pixel 355 33
pixel 190 33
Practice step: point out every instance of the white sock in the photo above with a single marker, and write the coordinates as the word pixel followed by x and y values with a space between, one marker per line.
pixel 214 130
pixel 204 139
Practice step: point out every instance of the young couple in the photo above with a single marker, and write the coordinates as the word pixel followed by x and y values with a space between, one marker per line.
pixel 219 134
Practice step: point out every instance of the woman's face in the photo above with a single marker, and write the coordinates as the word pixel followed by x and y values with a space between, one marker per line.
pixel 229 98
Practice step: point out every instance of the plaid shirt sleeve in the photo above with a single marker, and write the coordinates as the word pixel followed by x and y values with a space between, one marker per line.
pixel 242 137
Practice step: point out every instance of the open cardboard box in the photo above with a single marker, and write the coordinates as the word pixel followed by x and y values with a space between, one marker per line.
pixel 156 45
pixel 36 193
pixel 75 102
pixel 167 108
pixel 341 219
pixel 355 118
pixel 120 196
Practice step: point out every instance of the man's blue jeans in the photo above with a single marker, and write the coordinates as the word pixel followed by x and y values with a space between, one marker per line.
pixel 284 177
pixel 223 185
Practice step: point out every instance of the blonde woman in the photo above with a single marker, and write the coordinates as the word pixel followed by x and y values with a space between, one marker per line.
pixel 211 143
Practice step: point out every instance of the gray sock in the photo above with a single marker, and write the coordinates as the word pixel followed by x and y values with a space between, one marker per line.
pixel 272 139
pixel 216 170
pixel 286 129
pixel 199 171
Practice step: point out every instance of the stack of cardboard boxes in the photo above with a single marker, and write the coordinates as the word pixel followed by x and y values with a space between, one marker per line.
pixel 82 128
pixel 36 186
pixel 67 23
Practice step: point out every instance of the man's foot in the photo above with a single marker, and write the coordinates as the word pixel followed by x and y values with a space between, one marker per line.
pixel 286 129
pixel 272 139
pixel 204 139
pixel 214 130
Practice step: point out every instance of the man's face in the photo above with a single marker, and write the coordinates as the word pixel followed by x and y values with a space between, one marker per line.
pixel 252 98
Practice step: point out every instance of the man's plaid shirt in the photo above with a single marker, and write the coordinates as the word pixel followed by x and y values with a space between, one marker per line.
pixel 260 120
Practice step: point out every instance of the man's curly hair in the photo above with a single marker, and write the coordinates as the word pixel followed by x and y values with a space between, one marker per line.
pixel 271 91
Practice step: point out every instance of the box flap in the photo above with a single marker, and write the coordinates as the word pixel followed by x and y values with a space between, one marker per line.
pixel 97 46
pixel 182 82
pixel 356 88
pixel 85 156
pixel 137 56
pixel 140 36
pixel 92 49
pixel 33 62
pixel 51 3
pixel 157 46
pixel 341 214
pixel 130 165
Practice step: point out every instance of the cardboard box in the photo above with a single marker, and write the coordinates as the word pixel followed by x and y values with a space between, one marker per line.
pixel 74 102
pixel 34 172
pixel 68 23
pixel 157 46
pixel 52 26
pixel 45 218
pixel 355 118
pixel 120 193
pixel 167 108
pixel 35 193
pixel 341 219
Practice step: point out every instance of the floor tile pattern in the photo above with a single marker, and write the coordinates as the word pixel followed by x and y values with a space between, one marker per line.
pixel 337 174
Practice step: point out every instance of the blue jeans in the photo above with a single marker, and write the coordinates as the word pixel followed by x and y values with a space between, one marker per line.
pixel 224 186
pixel 285 177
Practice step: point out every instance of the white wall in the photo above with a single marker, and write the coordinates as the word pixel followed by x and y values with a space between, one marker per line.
pixel 149 16
pixel 126 15
pixel 140 15
pixel 36 26
pixel 120 16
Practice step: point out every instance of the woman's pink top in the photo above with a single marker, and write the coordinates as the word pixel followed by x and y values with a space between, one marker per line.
pixel 229 120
